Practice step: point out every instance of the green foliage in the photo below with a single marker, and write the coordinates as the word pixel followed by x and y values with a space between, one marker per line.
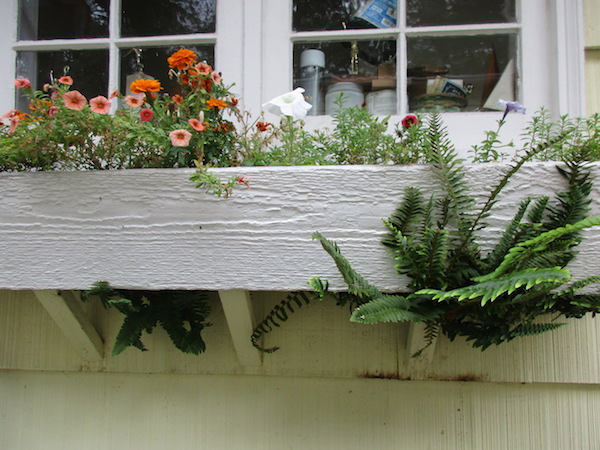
pixel 457 290
pixel 182 314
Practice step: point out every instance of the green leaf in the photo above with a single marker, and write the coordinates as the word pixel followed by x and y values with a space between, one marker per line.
pixel 386 308
pixel 490 290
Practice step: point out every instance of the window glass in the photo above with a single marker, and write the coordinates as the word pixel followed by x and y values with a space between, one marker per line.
pixel 40 66
pixel 62 19
pixel 355 68
pixel 454 12
pixel 460 73
pixel 153 62
pixel 167 17
pixel 313 15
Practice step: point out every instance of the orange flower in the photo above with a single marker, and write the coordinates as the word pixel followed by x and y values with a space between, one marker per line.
pixel 206 84
pixel 177 99
pixel 197 125
pixel 262 126
pixel 145 85
pixel 66 80
pixel 215 103
pixel 182 59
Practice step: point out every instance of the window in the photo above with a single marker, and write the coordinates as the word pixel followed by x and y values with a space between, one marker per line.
pixel 259 45
pixel 103 45
pixel 414 55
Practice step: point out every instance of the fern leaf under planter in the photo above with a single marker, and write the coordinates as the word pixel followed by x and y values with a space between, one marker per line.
pixel 488 291
pixel 386 308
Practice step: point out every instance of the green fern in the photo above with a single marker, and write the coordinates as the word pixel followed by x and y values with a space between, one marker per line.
pixel 490 290
pixel 386 308
pixel 182 314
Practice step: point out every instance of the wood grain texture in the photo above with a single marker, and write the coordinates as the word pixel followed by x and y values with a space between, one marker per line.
pixel 152 229
pixel 71 411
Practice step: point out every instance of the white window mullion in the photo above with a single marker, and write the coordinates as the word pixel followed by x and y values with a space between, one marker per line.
pixel 114 56
pixel 230 45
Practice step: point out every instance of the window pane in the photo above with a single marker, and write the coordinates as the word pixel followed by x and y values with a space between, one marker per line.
pixel 362 70
pixel 153 62
pixel 460 73
pixel 88 68
pixel 166 17
pixel 313 15
pixel 62 19
pixel 455 12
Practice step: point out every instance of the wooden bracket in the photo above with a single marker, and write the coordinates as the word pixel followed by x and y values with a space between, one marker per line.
pixel 240 319
pixel 66 310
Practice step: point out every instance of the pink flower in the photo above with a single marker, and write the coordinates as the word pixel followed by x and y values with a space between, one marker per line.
pixel 74 100
pixel 180 138
pixel 14 121
pixel 66 79
pixel 146 115
pixel 133 101
pixel 53 111
pixel 203 68
pixel 197 125
pixel 216 77
pixel 409 121
pixel 22 83
pixel 100 105
pixel 46 87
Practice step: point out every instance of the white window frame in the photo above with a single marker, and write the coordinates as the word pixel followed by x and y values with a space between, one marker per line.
pixel 227 53
pixel 254 42
pixel 550 60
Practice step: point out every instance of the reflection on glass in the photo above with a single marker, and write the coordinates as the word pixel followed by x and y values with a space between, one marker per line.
pixel 40 66
pixel 153 62
pixel 167 17
pixel 63 19
pixel 464 73
pixel 364 71
pixel 455 12
pixel 318 15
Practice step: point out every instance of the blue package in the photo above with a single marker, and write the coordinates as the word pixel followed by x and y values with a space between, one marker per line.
pixel 381 13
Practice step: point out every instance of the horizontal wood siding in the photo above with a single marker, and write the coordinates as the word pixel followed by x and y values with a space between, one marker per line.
pixel 73 411
pixel 317 341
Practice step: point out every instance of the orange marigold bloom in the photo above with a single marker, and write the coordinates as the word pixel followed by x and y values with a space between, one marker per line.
pixel 145 85
pixel 262 126
pixel 215 103
pixel 182 59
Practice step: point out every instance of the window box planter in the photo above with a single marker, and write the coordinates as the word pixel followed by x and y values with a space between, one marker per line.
pixel 152 229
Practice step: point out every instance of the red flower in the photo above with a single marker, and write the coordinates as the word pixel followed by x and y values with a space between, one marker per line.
pixel 262 126
pixel 242 180
pixel 146 115
pixel 410 120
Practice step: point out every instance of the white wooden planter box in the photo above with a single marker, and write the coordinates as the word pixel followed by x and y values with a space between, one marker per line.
pixel 153 229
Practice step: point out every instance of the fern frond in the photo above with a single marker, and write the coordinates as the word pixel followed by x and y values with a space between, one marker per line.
pixel 385 308
pixel 488 291
pixel 432 330
pixel 277 315
pixel 404 216
pixel 517 255
pixel 531 329
pixel 130 333
pixel 508 238
pixel 357 285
